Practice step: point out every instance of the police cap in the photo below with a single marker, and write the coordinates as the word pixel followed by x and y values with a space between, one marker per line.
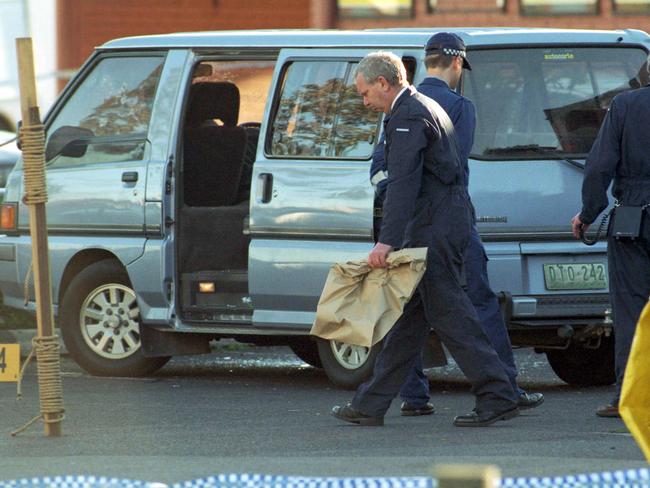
pixel 448 44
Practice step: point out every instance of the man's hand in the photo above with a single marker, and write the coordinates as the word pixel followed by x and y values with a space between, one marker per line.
pixel 377 257
pixel 578 226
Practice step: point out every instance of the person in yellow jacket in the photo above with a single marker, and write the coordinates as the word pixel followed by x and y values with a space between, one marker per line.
pixel 635 395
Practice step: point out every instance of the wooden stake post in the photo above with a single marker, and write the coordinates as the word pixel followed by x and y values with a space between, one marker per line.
pixel 37 220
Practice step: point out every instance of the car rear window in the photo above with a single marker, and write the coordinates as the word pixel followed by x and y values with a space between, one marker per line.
pixel 540 103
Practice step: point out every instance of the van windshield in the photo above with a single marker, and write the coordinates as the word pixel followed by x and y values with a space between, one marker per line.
pixel 546 103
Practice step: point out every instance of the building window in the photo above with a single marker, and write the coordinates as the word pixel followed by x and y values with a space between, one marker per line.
pixel 558 7
pixel 374 9
pixel 632 6
pixel 446 6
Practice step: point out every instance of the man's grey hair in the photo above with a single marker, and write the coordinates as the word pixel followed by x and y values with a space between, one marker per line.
pixel 382 63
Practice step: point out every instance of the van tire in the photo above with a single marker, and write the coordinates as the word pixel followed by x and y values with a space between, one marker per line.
pixel 92 343
pixel 579 366
pixel 307 351
pixel 339 366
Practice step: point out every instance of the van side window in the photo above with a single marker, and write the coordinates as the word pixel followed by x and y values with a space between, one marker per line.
pixel 320 114
pixel 537 103
pixel 107 117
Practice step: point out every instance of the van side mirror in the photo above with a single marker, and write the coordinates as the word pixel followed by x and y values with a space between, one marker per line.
pixel 68 140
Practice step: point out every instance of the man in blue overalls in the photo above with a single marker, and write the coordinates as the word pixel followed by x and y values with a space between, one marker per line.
pixel 621 152
pixel 426 206
pixel 445 60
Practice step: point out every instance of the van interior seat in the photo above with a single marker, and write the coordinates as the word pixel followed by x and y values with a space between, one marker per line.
pixel 214 145
pixel 212 219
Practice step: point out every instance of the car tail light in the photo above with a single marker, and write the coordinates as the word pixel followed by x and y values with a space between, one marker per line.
pixel 8 216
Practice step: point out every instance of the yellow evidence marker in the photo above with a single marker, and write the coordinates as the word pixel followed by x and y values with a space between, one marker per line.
pixel 9 362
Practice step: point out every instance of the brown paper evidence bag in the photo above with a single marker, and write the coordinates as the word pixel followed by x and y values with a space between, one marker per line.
pixel 360 304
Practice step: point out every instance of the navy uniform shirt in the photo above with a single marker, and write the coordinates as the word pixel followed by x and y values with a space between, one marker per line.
pixel 421 154
pixel 621 152
pixel 462 113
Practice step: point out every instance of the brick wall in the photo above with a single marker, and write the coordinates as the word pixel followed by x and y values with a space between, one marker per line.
pixel 84 24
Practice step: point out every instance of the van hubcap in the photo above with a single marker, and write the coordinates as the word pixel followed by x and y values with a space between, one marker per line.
pixel 109 319
pixel 349 356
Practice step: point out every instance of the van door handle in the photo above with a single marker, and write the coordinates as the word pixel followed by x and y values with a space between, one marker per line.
pixel 266 187
pixel 130 176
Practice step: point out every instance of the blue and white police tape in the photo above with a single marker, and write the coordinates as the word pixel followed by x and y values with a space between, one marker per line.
pixel 613 479
pixel 270 481
pixel 78 482
pixel 637 478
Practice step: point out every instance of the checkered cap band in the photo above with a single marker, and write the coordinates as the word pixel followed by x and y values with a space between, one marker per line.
pixel 453 52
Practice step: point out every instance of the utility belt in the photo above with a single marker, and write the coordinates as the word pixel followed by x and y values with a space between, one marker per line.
pixel 624 223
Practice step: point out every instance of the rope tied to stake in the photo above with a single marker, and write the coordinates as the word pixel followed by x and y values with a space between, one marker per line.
pixel 33 147
pixel 28 280
pixel 49 380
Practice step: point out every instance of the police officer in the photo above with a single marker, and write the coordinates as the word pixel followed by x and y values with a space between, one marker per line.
pixel 426 206
pixel 621 152
pixel 445 59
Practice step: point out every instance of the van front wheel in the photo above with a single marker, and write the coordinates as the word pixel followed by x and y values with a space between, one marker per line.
pixel 579 366
pixel 347 366
pixel 100 323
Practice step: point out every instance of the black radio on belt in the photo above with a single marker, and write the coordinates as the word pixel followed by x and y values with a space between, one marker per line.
pixel 626 222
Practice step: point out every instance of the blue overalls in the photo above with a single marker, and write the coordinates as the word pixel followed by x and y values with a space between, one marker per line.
pixel 462 113
pixel 621 152
pixel 427 205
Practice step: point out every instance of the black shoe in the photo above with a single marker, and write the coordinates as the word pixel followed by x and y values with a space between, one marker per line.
pixel 609 411
pixel 530 400
pixel 349 414
pixel 409 410
pixel 474 419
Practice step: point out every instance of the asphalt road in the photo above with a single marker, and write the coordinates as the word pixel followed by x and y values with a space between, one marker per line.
pixel 261 410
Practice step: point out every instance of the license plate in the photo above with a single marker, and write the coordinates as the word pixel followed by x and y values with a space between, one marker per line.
pixel 573 276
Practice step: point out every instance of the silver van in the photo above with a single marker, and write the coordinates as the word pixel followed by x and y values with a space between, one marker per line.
pixel 202 184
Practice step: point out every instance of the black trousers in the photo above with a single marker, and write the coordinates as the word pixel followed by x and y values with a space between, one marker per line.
pixel 629 289
pixel 439 303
